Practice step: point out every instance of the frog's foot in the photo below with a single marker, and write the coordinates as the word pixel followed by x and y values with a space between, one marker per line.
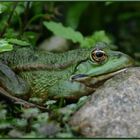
pixel 18 100
pixel 12 82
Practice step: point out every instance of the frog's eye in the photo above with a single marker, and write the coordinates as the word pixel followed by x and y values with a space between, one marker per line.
pixel 98 55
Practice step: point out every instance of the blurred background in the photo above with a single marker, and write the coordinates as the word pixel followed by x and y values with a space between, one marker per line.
pixel 119 20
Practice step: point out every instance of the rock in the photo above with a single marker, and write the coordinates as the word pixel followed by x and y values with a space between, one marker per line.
pixel 46 130
pixel 113 110
pixel 54 44
pixel 15 134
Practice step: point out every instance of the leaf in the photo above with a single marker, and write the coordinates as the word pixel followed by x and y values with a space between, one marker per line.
pixel 2 8
pixel 18 42
pixel 65 32
pixel 43 117
pixel 10 33
pixel 20 8
pixel 31 112
pixel 20 122
pixel 98 36
pixel 50 102
pixel 74 14
pixel 5 125
pixel 30 37
pixel 76 37
pixel 5 46
pixel 3 113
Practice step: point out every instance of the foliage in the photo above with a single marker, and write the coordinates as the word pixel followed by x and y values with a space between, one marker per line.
pixel 65 32
pixel 74 14
pixel 26 38
pixel 18 42
pixel 75 36
pixel 5 46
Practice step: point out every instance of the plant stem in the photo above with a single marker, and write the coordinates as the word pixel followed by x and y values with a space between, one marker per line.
pixel 25 18
pixel 26 13
pixel 9 19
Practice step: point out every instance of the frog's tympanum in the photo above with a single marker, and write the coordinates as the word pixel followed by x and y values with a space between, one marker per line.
pixel 27 73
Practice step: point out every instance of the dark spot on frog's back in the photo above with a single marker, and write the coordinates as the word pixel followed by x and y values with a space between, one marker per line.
pixel 34 57
pixel 4 61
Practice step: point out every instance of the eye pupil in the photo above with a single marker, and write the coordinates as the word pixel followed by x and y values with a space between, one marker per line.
pixel 99 54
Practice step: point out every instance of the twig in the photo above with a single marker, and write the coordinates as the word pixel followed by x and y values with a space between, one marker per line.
pixel 26 12
pixel 25 18
pixel 20 101
pixel 9 20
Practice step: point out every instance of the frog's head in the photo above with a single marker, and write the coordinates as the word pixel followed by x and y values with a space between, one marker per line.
pixel 102 64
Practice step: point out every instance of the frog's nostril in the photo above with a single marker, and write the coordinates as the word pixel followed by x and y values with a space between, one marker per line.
pixel 78 76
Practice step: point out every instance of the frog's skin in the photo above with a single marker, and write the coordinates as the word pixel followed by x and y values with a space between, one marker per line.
pixel 27 73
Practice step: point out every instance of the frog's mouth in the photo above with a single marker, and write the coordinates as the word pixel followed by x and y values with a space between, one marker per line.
pixel 88 80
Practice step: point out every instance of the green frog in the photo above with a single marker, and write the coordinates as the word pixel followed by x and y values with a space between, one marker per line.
pixel 29 74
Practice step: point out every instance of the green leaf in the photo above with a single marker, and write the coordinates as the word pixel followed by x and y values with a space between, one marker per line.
pixel 50 102
pixel 76 37
pixel 5 46
pixel 31 37
pixel 18 42
pixel 10 33
pixel 20 8
pixel 98 36
pixel 3 113
pixel 65 32
pixel 74 14
pixel 43 117
pixel 31 112
pixel 20 122
pixel 5 125
pixel 2 8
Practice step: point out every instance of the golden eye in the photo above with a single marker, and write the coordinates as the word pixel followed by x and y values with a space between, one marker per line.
pixel 98 55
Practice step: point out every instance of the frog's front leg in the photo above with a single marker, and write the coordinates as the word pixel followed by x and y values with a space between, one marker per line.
pixel 69 90
pixel 12 82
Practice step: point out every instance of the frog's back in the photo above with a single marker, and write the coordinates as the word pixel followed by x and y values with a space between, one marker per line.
pixel 41 69
pixel 30 56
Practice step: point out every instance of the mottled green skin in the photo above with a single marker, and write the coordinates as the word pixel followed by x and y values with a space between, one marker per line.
pixel 54 80
pixel 43 80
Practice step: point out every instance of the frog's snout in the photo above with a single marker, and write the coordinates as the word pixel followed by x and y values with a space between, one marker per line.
pixel 78 77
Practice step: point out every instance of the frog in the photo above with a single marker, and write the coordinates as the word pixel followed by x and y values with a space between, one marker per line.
pixel 31 74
